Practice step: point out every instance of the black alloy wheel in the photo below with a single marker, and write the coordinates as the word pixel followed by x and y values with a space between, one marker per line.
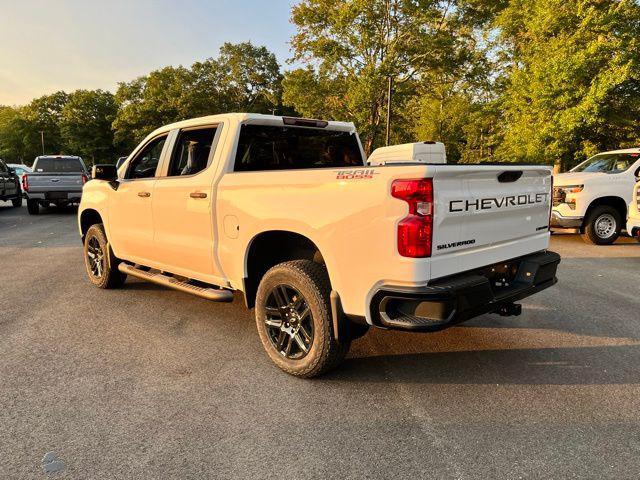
pixel 95 257
pixel 289 322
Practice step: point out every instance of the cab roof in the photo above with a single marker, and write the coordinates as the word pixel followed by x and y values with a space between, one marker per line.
pixel 256 118
pixel 624 150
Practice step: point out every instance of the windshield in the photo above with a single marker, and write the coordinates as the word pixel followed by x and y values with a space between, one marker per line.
pixel 263 147
pixel 608 163
pixel 58 165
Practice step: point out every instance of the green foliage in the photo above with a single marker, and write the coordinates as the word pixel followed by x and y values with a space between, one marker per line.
pixel 100 126
pixel 13 128
pixel 505 80
pixel 21 128
pixel 244 78
pixel 85 125
pixel 353 46
pixel 573 82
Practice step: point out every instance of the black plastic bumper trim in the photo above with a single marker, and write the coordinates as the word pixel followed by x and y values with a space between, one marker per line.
pixel 451 300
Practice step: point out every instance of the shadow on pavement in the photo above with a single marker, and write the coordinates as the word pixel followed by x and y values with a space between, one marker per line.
pixel 603 365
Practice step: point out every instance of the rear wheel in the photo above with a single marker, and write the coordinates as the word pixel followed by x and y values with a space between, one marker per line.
pixel 100 263
pixel 33 207
pixel 293 316
pixel 17 202
pixel 603 226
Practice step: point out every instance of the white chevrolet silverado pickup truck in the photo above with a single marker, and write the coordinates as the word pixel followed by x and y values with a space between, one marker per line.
pixel 593 196
pixel 321 243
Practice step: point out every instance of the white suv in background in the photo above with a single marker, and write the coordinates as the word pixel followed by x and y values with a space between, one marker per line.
pixel 633 225
pixel 593 196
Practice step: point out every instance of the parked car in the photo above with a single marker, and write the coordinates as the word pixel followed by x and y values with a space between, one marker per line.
pixel 593 196
pixel 633 223
pixel 9 185
pixel 286 211
pixel 20 169
pixel 56 180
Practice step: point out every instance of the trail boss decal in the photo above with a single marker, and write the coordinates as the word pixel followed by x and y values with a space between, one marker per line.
pixel 495 203
pixel 355 174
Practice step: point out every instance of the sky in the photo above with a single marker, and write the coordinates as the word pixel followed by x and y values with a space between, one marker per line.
pixel 46 46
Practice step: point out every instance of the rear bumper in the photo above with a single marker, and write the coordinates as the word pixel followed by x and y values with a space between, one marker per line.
pixel 455 299
pixel 55 196
pixel 633 227
pixel 560 221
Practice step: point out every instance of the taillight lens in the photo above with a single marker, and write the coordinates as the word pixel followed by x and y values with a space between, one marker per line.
pixel 84 179
pixel 25 183
pixel 415 231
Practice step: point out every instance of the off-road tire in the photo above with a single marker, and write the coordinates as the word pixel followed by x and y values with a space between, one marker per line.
pixel 110 276
pixel 593 232
pixel 17 202
pixel 311 280
pixel 33 207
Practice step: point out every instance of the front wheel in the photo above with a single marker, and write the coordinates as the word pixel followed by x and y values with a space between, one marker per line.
pixel 101 265
pixel 293 316
pixel 603 226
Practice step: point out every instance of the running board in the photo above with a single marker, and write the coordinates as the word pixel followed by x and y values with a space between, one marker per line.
pixel 216 295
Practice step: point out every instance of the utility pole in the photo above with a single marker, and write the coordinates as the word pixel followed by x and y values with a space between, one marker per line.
pixel 42 140
pixel 389 91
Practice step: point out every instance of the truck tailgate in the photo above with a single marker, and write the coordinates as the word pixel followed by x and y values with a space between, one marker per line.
pixel 58 182
pixel 485 214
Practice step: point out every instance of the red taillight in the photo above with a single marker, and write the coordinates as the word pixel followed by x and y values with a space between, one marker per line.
pixel 84 179
pixel 25 183
pixel 415 231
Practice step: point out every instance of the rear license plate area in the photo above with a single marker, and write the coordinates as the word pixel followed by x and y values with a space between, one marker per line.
pixel 55 195
pixel 502 276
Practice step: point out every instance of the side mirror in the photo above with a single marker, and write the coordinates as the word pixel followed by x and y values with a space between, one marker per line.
pixel 120 161
pixel 108 173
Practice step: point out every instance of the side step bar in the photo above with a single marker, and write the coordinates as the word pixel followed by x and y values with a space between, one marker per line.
pixel 214 294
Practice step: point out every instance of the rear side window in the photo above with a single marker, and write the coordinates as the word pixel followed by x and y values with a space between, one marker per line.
pixel 59 165
pixel 145 163
pixel 192 151
pixel 263 147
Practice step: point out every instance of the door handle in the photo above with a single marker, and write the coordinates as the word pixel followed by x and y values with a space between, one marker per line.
pixel 144 194
pixel 198 195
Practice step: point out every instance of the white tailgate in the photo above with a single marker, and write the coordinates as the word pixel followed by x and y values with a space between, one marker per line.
pixel 479 220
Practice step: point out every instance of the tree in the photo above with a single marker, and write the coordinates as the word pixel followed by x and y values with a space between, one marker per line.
pixel 85 125
pixel 243 78
pixel 149 102
pixel 13 128
pixel 251 78
pixel 352 47
pixel 573 80
pixel 43 115
pixel 22 128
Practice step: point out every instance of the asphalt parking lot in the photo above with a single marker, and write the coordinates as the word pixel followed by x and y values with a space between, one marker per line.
pixel 145 382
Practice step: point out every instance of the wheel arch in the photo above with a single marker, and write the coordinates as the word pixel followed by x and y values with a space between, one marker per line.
pixel 269 248
pixel 612 201
pixel 89 217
